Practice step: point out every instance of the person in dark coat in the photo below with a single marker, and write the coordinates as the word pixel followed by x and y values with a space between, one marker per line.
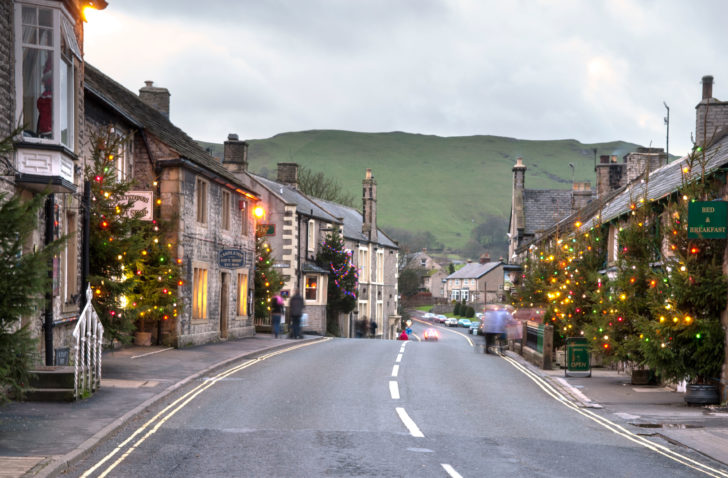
pixel 296 306
pixel 276 311
pixel 373 328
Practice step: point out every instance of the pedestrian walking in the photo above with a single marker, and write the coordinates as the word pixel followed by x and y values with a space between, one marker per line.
pixel 276 311
pixel 296 306
pixel 373 328
pixel 403 335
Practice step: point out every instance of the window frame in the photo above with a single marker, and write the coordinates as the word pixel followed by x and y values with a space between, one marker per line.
pixel 244 219
pixel 380 267
pixel 225 206
pixel 242 309
pixel 62 50
pixel 200 299
pixel 363 264
pixel 311 235
pixel 201 200
pixel 307 289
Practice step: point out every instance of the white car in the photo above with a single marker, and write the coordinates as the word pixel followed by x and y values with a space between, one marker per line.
pixel 451 322
pixel 428 316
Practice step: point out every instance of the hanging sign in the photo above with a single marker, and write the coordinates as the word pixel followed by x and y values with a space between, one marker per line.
pixel 707 220
pixel 140 201
pixel 267 229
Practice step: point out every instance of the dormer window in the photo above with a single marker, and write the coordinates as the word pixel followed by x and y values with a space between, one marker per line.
pixel 45 47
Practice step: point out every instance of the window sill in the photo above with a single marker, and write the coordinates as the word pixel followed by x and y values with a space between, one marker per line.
pixel 199 321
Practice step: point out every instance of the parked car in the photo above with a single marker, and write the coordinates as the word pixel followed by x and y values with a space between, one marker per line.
pixel 451 322
pixel 431 334
pixel 441 318
pixel 474 326
pixel 464 323
pixel 428 316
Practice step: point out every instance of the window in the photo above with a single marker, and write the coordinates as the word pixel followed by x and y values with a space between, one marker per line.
pixel 244 217
pixel 380 311
pixel 311 235
pixel 363 309
pixel 242 294
pixel 380 267
pixel 69 257
pixel 457 282
pixel 225 219
pixel 45 49
pixel 201 197
pixel 465 293
pixel 363 265
pixel 199 294
pixel 311 287
pixel 455 295
pixel 123 160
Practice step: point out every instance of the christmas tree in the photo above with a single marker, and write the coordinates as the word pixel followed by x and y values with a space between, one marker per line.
pixel 133 274
pixel 267 279
pixel 343 279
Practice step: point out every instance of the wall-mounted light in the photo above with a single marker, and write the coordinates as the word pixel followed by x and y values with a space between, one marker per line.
pixel 259 212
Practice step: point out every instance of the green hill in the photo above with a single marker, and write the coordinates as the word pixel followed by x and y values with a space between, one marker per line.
pixel 445 185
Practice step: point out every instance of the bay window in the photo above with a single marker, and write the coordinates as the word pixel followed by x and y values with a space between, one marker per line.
pixel 45 47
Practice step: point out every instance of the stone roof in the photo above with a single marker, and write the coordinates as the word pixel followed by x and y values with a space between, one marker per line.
pixel 474 270
pixel 544 207
pixel 142 116
pixel 304 205
pixel 662 183
pixel 352 224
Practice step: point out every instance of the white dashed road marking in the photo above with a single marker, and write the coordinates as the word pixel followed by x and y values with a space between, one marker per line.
pixel 451 471
pixel 411 426
pixel 395 370
pixel 399 358
pixel 394 390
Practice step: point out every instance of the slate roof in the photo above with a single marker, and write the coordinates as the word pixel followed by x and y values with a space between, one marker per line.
pixel 143 116
pixel 662 182
pixel 304 204
pixel 543 207
pixel 353 222
pixel 474 270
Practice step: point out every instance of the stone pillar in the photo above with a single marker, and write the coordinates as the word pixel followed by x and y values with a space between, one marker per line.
pixel 548 346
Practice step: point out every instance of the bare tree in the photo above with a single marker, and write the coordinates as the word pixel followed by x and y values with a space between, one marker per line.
pixel 321 186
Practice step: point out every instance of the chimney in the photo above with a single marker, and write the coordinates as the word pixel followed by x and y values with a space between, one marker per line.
pixel 581 194
pixel 235 156
pixel 711 116
pixel 485 258
pixel 519 174
pixel 157 98
pixel 611 174
pixel 288 174
pixel 369 207
pixel 707 87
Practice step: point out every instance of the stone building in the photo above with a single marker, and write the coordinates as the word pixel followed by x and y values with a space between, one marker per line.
pixel 430 273
pixel 376 256
pixel 477 283
pixel 295 226
pixel 209 207
pixel 41 50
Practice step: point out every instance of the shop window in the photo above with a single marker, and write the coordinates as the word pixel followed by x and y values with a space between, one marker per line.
pixel 242 294
pixel 201 200
pixel 225 219
pixel 199 294
pixel 311 287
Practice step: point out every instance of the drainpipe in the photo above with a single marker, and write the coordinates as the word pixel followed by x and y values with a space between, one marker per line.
pixel 48 322
pixel 86 238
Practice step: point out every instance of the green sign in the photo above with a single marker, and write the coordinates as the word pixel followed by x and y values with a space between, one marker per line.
pixel 707 220
pixel 267 229
pixel 578 358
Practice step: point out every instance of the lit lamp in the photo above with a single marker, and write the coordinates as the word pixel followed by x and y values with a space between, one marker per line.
pixel 259 212
pixel 88 5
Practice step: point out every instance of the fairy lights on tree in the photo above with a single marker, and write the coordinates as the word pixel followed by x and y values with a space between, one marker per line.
pixel 343 279
pixel 268 280
pixel 134 275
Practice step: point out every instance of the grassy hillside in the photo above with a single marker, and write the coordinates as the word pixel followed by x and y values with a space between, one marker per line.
pixel 446 185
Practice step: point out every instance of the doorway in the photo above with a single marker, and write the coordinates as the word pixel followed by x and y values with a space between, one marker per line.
pixel 224 304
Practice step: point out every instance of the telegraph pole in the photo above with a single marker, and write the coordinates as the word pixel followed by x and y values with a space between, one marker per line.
pixel 667 140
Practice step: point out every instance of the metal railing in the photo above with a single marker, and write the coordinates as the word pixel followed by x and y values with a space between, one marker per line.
pixel 88 340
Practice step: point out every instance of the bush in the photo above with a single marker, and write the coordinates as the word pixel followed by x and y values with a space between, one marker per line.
pixel 469 312
pixel 456 309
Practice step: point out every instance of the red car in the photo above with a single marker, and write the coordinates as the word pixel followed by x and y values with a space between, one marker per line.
pixel 431 334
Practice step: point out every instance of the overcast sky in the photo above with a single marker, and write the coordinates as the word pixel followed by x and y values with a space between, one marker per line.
pixel 589 70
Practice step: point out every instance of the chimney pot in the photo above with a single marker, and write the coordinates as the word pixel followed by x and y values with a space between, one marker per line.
pixel 233 137
pixel 707 87
pixel 604 159
pixel 149 83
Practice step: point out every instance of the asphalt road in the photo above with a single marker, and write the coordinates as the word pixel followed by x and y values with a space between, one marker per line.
pixel 359 407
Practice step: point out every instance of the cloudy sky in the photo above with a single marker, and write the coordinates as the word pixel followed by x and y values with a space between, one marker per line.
pixel 591 70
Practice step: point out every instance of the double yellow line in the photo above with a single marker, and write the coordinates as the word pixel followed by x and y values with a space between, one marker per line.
pixel 615 428
pixel 156 422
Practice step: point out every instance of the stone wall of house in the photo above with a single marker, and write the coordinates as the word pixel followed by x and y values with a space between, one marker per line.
pixel 642 160
pixel 201 245
pixel 711 115
pixel 7 69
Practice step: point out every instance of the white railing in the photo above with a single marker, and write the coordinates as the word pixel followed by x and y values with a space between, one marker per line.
pixel 88 336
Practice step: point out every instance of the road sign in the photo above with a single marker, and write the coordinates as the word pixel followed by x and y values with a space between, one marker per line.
pixel 578 358
pixel 707 219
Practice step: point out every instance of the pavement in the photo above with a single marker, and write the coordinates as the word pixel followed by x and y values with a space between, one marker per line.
pixel 39 439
